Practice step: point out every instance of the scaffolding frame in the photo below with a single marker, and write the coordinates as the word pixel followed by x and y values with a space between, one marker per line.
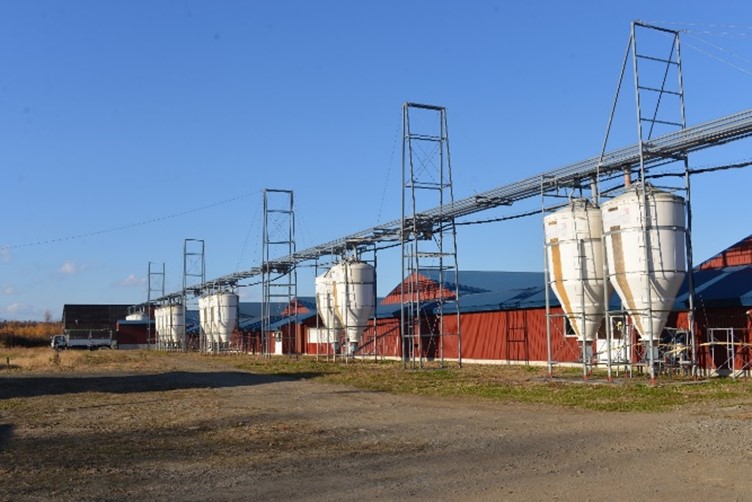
pixel 156 284
pixel 194 267
pixel 279 278
pixel 427 244
pixel 336 337
pixel 646 126
pixel 648 121
pixel 586 351
pixel 734 344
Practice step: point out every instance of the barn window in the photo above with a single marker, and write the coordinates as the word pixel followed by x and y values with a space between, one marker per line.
pixel 568 328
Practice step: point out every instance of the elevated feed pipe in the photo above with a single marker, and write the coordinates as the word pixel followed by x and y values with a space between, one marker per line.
pixel 657 151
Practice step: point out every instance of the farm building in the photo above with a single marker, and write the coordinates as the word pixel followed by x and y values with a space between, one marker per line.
pixel 93 316
pixel 503 320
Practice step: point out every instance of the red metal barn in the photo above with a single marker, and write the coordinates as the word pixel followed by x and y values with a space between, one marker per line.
pixel 134 334
pixel 736 254
pixel 722 324
pixel 503 318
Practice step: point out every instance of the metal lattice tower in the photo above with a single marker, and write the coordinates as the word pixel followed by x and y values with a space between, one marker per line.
pixel 648 125
pixel 429 245
pixel 155 289
pixel 660 110
pixel 194 267
pixel 279 278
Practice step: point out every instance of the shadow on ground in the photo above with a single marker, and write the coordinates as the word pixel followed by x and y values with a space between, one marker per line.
pixel 43 385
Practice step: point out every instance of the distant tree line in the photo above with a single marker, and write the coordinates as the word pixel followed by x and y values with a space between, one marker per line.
pixel 28 333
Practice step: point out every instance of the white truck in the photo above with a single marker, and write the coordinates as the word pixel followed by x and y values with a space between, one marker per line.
pixel 91 339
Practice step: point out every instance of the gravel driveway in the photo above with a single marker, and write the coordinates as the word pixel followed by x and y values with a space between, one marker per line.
pixel 221 434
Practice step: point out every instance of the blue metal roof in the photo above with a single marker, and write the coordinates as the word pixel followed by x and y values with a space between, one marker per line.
pixel 725 287
pixel 722 287
pixel 487 291
pixel 475 281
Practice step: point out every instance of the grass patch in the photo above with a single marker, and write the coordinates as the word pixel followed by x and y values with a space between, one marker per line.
pixel 522 384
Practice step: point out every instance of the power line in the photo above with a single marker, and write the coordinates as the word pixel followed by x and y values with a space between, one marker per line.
pixel 128 226
pixel 717 58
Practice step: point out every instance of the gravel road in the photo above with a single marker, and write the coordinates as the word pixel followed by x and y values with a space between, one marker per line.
pixel 220 434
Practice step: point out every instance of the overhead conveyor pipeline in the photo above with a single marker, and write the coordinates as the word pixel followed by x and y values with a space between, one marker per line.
pixel 657 152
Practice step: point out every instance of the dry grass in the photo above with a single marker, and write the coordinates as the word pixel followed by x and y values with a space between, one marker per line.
pixel 46 360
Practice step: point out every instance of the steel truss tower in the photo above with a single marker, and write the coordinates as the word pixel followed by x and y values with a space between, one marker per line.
pixel 156 280
pixel 660 109
pixel 279 278
pixel 194 267
pixel 429 244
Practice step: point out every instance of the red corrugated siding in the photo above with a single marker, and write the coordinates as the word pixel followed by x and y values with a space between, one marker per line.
pixel 386 341
pixel 132 334
pixel 290 309
pixel 716 355
pixel 427 290
pixel 518 335
pixel 511 335
pixel 738 254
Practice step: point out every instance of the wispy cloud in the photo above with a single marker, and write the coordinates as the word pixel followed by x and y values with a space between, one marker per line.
pixel 132 281
pixel 5 254
pixel 20 312
pixel 9 291
pixel 71 268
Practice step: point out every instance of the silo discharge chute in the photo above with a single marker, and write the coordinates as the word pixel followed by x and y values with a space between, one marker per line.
pixel 646 263
pixel 575 262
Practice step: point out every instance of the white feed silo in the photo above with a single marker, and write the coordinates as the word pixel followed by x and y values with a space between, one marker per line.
pixel 355 300
pixel 647 289
pixel 176 325
pixel 137 316
pixel 204 316
pixel 226 318
pixel 325 306
pixel 345 300
pixel 160 325
pixel 212 306
pixel 575 263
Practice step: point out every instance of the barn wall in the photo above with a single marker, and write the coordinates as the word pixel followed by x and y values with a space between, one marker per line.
pixel 93 316
pixel 712 351
pixel 383 340
pixel 133 335
pixel 510 335
pixel 515 335
pixel 738 254
pixel 520 336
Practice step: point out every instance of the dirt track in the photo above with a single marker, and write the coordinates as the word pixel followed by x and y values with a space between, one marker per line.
pixel 219 434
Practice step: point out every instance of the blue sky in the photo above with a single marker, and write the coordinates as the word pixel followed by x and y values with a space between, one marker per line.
pixel 127 127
